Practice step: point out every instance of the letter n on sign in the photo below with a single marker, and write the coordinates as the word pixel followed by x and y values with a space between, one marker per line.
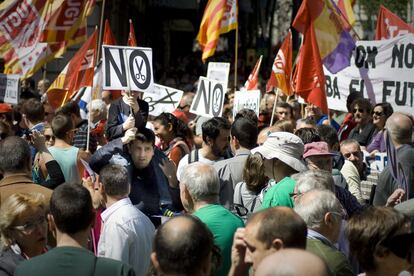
pixel 209 98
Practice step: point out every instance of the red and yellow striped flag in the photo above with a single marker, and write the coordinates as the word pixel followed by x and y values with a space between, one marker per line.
pixel 65 19
pixel 23 23
pixel 220 16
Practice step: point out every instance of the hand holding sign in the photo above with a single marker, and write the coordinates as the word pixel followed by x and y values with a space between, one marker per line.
pixel 132 102
pixel 129 123
pixel 129 135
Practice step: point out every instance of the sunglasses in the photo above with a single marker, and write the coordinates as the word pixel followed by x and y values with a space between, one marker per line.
pixel 49 137
pixel 358 110
pixel 379 114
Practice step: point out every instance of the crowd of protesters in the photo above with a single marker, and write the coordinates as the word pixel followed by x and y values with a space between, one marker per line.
pixel 126 193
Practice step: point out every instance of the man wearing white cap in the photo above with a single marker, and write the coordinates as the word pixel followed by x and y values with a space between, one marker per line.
pixel 282 153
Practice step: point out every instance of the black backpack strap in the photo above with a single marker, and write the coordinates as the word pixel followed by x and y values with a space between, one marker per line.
pixel 193 156
pixel 240 193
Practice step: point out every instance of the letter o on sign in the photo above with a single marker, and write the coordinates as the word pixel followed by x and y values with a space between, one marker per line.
pixel 140 71
pixel 217 100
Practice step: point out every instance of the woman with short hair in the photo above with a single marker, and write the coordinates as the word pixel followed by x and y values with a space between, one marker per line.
pixel 23 230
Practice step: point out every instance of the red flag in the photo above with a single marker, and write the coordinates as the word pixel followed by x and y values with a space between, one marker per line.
pixel 389 25
pixel 108 38
pixel 253 79
pixel 310 79
pixel 131 37
pixel 282 68
pixel 78 73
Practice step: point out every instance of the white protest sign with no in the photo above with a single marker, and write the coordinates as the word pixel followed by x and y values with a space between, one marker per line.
pixel 381 70
pixel 246 99
pixel 9 88
pixel 123 65
pixel 162 99
pixel 219 71
pixel 209 99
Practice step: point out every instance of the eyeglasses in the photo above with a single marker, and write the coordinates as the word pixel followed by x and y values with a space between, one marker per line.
pixel 31 226
pixel 379 114
pixel 360 110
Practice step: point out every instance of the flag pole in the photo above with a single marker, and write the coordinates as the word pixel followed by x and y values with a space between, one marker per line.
pixel 88 138
pixel 100 30
pixel 128 83
pixel 236 49
pixel 274 107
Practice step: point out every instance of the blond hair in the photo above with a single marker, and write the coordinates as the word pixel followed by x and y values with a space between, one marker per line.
pixel 14 206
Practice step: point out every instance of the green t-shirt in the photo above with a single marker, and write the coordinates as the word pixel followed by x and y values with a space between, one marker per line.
pixel 278 195
pixel 70 261
pixel 223 224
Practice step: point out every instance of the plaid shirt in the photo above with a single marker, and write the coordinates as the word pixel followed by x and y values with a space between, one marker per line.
pixel 81 137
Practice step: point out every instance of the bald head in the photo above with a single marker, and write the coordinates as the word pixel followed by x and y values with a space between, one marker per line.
pixel 183 246
pixel 400 128
pixel 280 223
pixel 285 263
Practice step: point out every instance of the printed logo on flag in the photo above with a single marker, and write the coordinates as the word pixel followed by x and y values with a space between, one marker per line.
pixel 87 61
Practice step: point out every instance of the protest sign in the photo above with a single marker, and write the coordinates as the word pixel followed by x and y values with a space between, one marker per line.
pixel 246 99
pixel 123 66
pixel 162 99
pixel 209 98
pixel 380 70
pixel 9 88
pixel 219 71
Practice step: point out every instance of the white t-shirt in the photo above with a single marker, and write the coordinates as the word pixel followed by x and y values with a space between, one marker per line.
pixel 184 162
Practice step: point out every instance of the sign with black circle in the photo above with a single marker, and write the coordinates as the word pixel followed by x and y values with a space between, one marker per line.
pixel 127 67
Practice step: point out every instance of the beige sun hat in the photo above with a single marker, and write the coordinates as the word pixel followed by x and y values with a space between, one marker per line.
pixel 284 146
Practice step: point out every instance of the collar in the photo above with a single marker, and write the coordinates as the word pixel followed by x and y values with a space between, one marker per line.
pixel 313 235
pixel 242 151
pixel 16 178
pixel 114 207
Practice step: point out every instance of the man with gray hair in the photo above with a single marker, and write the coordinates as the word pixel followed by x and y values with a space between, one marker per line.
pixel 323 214
pixel 323 180
pixel 199 192
pixel 400 172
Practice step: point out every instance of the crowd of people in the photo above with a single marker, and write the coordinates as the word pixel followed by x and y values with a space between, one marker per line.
pixel 283 192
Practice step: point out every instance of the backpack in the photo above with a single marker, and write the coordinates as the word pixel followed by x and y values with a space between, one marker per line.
pixel 193 156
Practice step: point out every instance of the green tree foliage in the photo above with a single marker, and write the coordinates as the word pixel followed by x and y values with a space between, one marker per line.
pixel 371 8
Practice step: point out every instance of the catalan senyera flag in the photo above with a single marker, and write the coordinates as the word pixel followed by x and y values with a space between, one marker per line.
pixel 131 37
pixel 253 80
pixel 21 27
pixel 282 68
pixel 220 16
pixel 309 78
pixel 78 73
pixel 389 25
pixel 334 41
pixel 65 18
